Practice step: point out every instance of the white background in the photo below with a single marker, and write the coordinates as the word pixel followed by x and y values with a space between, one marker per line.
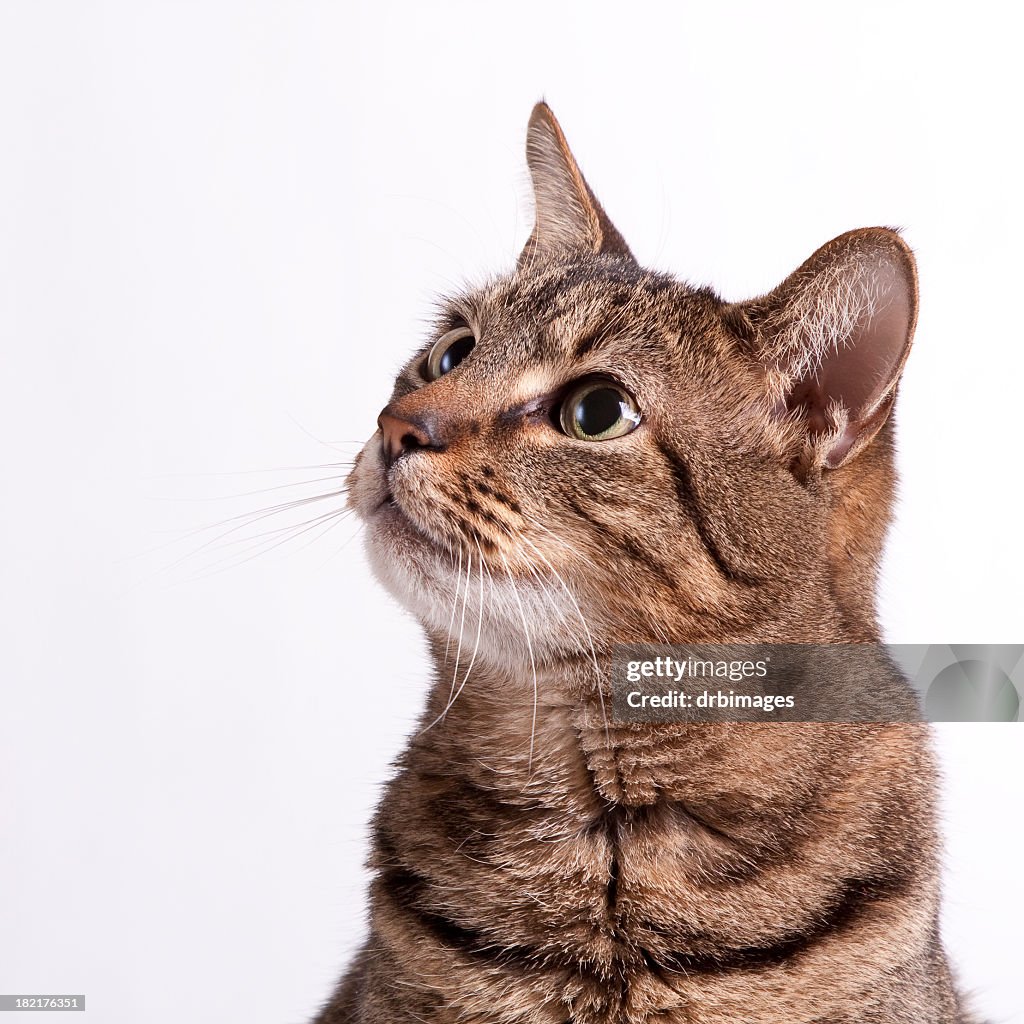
pixel 221 225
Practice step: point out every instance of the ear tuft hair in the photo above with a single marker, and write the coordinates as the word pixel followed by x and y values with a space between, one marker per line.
pixel 834 337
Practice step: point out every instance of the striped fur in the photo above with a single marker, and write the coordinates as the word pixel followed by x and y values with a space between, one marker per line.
pixel 534 862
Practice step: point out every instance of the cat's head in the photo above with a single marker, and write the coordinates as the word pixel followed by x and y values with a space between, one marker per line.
pixel 583 439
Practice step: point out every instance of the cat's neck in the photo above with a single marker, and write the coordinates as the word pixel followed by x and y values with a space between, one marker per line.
pixel 543 730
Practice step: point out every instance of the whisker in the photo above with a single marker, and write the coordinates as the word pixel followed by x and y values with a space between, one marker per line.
pixel 519 539
pixel 247 519
pixel 544 585
pixel 586 629
pixel 328 525
pixel 533 663
pixel 312 436
pixel 263 548
pixel 455 604
pixel 249 494
pixel 344 544
pixel 454 695
pixel 655 626
pixel 252 472
pixel 562 542
pixel 462 628
pixel 271 533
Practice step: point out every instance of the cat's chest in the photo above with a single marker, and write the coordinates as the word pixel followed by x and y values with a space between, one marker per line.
pixel 581 855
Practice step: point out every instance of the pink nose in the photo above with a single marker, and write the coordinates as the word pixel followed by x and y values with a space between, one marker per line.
pixel 402 435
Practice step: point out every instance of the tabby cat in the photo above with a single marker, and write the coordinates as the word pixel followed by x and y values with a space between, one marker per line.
pixel 586 453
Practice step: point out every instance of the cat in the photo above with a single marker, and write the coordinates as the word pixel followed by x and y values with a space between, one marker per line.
pixel 583 454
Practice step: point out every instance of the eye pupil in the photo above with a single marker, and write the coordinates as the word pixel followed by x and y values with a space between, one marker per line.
pixel 598 411
pixel 455 353
pixel 448 351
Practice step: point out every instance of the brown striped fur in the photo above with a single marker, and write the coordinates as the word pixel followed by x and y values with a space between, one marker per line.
pixel 535 863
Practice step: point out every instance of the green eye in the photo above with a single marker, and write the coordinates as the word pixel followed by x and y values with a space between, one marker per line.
pixel 449 350
pixel 598 410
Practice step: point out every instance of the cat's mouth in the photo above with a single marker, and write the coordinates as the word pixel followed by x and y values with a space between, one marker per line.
pixel 391 513
pixel 389 504
pixel 398 506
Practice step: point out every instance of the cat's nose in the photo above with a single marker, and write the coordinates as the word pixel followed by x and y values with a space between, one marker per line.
pixel 403 434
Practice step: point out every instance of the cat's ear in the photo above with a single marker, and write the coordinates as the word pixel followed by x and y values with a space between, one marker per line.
pixel 568 217
pixel 834 337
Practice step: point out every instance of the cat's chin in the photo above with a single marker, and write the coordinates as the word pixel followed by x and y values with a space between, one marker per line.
pixel 408 563
pixel 505 623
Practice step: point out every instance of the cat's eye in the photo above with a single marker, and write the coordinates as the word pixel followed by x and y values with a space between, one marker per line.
pixel 598 410
pixel 449 350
